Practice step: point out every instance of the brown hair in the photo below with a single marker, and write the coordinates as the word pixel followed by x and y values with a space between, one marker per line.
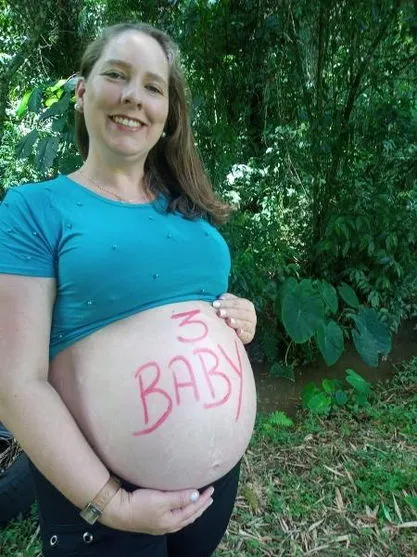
pixel 173 166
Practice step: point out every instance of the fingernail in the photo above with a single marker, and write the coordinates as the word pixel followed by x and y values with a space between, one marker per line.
pixel 216 304
pixel 194 496
pixel 222 313
pixel 232 321
pixel 211 491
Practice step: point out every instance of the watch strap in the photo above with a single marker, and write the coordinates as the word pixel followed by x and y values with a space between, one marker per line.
pixel 94 508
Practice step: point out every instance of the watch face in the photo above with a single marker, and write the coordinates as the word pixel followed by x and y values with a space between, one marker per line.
pixel 90 513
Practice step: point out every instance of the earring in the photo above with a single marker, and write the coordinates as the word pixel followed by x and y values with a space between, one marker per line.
pixel 78 107
pixel 163 135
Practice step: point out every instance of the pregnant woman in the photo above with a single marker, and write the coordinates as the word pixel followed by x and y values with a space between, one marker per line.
pixel 122 368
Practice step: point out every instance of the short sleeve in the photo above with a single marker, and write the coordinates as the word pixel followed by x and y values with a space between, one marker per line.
pixel 26 233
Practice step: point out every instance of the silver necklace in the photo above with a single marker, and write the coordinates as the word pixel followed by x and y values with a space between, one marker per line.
pixel 112 193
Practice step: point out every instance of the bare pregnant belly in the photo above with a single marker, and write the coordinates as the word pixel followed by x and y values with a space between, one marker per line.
pixel 166 397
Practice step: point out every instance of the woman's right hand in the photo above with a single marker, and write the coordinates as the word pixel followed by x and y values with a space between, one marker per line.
pixel 149 511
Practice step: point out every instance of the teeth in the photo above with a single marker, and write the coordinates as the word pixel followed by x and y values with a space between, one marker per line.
pixel 127 122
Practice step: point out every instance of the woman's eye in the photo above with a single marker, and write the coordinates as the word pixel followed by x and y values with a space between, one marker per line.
pixel 114 75
pixel 154 89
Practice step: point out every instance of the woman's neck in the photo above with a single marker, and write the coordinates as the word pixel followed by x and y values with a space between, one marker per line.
pixel 124 180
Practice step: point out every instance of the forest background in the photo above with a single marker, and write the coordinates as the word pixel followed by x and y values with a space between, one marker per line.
pixel 305 115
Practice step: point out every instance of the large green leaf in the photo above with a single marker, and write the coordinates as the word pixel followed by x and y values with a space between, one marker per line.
pixel 310 389
pixel 340 397
pixel 329 295
pixel 57 108
pixel 289 284
pixel 35 101
pixel 366 348
pixel 368 319
pixel 348 295
pixel 329 338
pixel 357 382
pixel 21 109
pixel 25 145
pixel 371 337
pixel 302 310
pixel 320 403
pixel 46 153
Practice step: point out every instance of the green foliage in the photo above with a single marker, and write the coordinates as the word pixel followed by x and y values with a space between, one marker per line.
pixel 49 146
pixel 305 315
pixel 274 425
pixel 353 393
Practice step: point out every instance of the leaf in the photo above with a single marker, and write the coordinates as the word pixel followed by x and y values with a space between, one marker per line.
pixel 46 153
pixel 320 403
pixel 368 319
pixel 288 285
pixel 35 100
pixel 56 86
pixel 57 108
pixel 357 382
pixel 329 338
pixel 25 145
pixel 348 295
pixel 51 100
pixel 58 124
pixel 366 347
pixel 280 419
pixel 302 310
pixel 329 295
pixel 412 501
pixel 309 391
pixel 371 337
pixel 340 397
pixel 71 83
pixel 284 371
pixel 21 109
pixel 329 385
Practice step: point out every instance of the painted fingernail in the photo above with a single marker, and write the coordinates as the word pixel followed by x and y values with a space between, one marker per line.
pixel 194 496
pixel 216 304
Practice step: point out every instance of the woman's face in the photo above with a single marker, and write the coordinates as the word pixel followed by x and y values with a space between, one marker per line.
pixel 125 97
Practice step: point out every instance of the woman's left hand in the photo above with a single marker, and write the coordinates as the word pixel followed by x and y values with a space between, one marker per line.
pixel 239 314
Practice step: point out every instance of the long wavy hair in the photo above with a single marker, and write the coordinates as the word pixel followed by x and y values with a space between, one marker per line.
pixel 173 166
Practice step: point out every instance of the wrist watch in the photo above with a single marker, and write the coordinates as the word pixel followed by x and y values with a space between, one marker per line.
pixel 94 508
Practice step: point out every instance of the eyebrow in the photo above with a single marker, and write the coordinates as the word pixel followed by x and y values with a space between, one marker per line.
pixel 116 62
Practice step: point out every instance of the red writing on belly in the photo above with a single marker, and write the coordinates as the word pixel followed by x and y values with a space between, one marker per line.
pixel 187 320
pixel 151 391
pixel 185 384
pixel 209 372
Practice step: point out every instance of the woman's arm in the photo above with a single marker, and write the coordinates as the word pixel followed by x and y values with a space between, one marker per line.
pixel 32 409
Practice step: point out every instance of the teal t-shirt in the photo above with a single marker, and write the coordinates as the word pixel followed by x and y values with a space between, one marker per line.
pixel 110 259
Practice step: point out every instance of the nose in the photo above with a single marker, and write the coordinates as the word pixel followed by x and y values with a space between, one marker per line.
pixel 132 94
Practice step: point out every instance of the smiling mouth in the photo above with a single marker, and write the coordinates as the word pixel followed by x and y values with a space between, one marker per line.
pixel 128 122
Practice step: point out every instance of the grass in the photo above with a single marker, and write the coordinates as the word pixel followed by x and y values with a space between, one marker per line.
pixel 340 486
